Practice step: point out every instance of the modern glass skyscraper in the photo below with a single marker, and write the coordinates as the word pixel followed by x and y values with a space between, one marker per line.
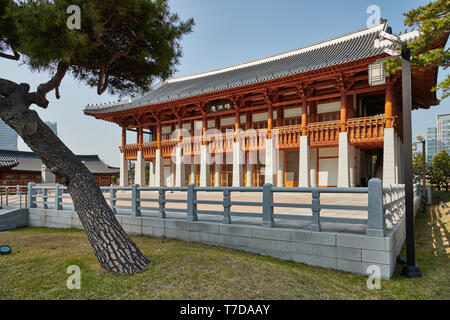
pixel 8 137
pixel 443 132
pixel 53 126
pixel 432 143
pixel 438 138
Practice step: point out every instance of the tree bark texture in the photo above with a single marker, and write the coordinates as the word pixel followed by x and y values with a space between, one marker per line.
pixel 113 248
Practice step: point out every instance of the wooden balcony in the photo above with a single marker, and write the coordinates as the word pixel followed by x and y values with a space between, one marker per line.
pixel 364 133
pixel 220 142
pixel 367 132
pixel 324 133
pixel 167 148
pixel 149 149
pixel 191 145
pixel 287 137
pixel 253 140
pixel 131 151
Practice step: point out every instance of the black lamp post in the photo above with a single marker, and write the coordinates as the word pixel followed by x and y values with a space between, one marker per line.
pixel 410 270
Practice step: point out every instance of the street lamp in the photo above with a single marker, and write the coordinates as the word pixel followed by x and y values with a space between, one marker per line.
pixel 410 270
pixel 424 173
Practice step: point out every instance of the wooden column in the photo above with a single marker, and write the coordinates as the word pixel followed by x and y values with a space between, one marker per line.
pixel 279 116
pixel 304 116
pixel 250 120
pixel 237 120
pixel 140 137
pixel 204 124
pixel 343 111
pixel 313 111
pixel 389 95
pixel 179 129
pixel 124 139
pixel 350 110
pixel 158 135
pixel 269 120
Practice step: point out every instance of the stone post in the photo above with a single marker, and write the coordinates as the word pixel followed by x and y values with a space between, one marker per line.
pixel 159 169
pixel 151 174
pixel 139 169
pixel 123 170
pixel 270 165
pixel 237 164
pixel 343 161
pixel 389 157
pixel 313 166
pixel 58 200
pixel 304 166
pixel 191 204
pixel 204 167
pixel 180 167
pixel 217 174
pixel 268 206
pixel 376 222
pixel 31 195
pixel 135 201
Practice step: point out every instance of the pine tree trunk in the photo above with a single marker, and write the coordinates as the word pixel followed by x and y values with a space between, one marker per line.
pixel 113 248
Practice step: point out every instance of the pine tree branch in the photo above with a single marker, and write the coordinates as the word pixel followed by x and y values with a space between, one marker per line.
pixel 52 84
pixel 15 56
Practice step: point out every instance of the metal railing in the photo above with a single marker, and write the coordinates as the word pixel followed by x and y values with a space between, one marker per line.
pixel 384 204
pixel 13 196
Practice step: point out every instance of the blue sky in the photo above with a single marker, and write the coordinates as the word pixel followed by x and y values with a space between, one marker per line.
pixel 226 33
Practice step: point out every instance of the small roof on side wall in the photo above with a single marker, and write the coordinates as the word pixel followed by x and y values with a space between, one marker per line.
pixel 28 161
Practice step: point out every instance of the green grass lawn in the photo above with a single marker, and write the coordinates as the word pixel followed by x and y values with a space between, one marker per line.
pixel 180 270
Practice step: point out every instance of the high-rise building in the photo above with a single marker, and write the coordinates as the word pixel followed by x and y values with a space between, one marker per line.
pixel 443 132
pixel 8 137
pixel 432 143
pixel 438 138
pixel 53 126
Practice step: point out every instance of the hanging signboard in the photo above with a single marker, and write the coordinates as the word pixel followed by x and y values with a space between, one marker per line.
pixel 220 106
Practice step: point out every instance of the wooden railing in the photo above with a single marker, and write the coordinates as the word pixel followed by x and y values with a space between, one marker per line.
pixel 360 131
pixel 167 147
pixel 287 137
pixel 149 149
pixel 191 145
pixel 253 140
pixel 324 133
pixel 131 151
pixel 220 142
pixel 367 129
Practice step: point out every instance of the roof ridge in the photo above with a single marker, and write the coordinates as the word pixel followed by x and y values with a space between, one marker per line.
pixel 276 56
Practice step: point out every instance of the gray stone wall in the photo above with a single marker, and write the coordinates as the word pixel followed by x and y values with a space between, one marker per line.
pixel 342 251
pixel 13 218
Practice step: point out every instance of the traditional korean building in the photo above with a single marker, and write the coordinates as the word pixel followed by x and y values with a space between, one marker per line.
pixel 307 117
pixel 22 167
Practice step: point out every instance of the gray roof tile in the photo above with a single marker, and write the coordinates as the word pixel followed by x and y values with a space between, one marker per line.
pixel 347 48
pixel 28 161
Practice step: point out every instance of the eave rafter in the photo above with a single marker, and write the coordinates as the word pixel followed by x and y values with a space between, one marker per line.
pixel 324 84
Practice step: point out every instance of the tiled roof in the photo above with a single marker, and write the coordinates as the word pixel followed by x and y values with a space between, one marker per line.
pixel 28 161
pixel 347 48
pixel 7 163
